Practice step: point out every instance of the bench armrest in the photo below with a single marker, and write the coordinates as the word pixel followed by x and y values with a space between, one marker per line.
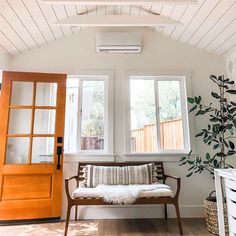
pixel 178 184
pixel 67 185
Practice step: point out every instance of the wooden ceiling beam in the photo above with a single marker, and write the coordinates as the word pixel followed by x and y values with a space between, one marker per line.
pixel 116 21
pixel 121 2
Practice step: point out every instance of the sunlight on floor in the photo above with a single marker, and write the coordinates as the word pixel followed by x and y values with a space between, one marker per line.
pixel 52 229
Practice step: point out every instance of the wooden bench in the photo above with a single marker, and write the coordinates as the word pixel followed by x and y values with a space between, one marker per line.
pixel 142 200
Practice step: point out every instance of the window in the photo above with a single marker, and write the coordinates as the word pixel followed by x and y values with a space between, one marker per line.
pixel 158 115
pixel 87 115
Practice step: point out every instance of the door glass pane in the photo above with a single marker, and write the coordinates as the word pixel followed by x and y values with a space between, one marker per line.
pixel 171 124
pixel 44 122
pixel 20 121
pixel 46 94
pixel 143 116
pixel 92 119
pixel 17 150
pixel 42 150
pixel 22 93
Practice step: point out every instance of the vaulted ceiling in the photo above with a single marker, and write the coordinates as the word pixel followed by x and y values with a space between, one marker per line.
pixel 209 24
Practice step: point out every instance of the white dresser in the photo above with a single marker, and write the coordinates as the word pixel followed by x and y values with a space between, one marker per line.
pixel 229 181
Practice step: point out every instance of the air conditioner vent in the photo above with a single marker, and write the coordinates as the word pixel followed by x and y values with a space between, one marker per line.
pixel 118 42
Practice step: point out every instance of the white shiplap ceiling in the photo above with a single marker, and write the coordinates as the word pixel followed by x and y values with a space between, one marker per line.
pixel 209 24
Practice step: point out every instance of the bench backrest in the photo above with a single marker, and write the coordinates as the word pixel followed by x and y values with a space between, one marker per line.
pixel 159 165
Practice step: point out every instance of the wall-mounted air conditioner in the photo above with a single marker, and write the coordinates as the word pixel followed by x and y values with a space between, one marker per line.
pixel 118 42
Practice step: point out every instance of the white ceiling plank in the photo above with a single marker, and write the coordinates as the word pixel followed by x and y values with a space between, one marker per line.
pixel 125 10
pixel 176 15
pixel 227 45
pixel 199 19
pixel 224 22
pixel 27 20
pixel 167 11
pixel 109 10
pixel 114 21
pixel 36 12
pixel 123 2
pixel 135 10
pixel 50 17
pixel 222 8
pixel 16 22
pixel 60 13
pixel 11 21
pixel 11 34
pixel 229 51
pixel 187 18
pixel 4 50
pixel 8 44
pixel 118 9
pixel 100 10
pixel 223 36
pixel 71 11
pixel 145 10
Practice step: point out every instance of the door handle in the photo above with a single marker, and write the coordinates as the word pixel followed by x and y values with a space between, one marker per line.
pixel 59 152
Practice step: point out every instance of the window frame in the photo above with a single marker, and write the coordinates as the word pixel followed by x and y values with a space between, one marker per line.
pixel 107 77
pixel 185 91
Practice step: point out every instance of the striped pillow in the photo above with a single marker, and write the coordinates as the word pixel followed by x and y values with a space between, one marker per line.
pixel 114 175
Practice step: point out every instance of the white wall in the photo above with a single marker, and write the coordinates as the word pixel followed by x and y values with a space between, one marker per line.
pixel 231 69
pixel 4 61
pixel 76 53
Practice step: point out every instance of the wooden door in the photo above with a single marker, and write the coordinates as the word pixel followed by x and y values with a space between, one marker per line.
pixel 32 110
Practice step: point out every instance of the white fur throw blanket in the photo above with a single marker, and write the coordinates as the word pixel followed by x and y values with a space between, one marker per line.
pixel 123 194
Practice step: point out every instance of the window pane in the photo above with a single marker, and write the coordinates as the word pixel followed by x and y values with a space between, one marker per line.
pixel 42 150
pixel 143 116
pixel 46 94
pixel 20 121
pixel 92 117
pixel 22 93
pixel 171 124
pixel 44 121
pixel 17 150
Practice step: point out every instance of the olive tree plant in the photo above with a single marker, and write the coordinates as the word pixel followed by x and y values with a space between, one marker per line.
pixel 219 133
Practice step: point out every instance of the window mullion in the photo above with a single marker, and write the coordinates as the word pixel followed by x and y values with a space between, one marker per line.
pixel 157 116
pixel 80 97
pixel 184 113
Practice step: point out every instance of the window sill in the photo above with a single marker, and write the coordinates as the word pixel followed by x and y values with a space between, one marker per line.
pixel 75 157
pixel 166 157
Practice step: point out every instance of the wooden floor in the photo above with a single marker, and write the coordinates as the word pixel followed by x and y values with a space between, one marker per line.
pixel 130 227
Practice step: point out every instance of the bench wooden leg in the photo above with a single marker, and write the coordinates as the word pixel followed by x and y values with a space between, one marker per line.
pixel 178 218
pixel 76 213
pixel 165 211
pixel 67 219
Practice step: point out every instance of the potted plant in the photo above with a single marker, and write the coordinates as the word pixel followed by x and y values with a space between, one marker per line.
pixel 219 134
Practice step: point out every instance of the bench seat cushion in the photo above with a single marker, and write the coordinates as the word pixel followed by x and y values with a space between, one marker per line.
pixel 162 191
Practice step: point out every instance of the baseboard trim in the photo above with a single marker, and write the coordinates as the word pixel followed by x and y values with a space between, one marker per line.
pixel 30 221
pixel 136 212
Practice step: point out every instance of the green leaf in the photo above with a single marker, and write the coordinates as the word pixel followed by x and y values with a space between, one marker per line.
pixel 193 108
pixel 198 99
pixel 183 158
pixel 183 163
pixel 188 175
pixel 190 162
pixel 199 134
pixel 208 156
pixel 215 95
pixel 231 91
pixel 191 100
pixel 231 144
